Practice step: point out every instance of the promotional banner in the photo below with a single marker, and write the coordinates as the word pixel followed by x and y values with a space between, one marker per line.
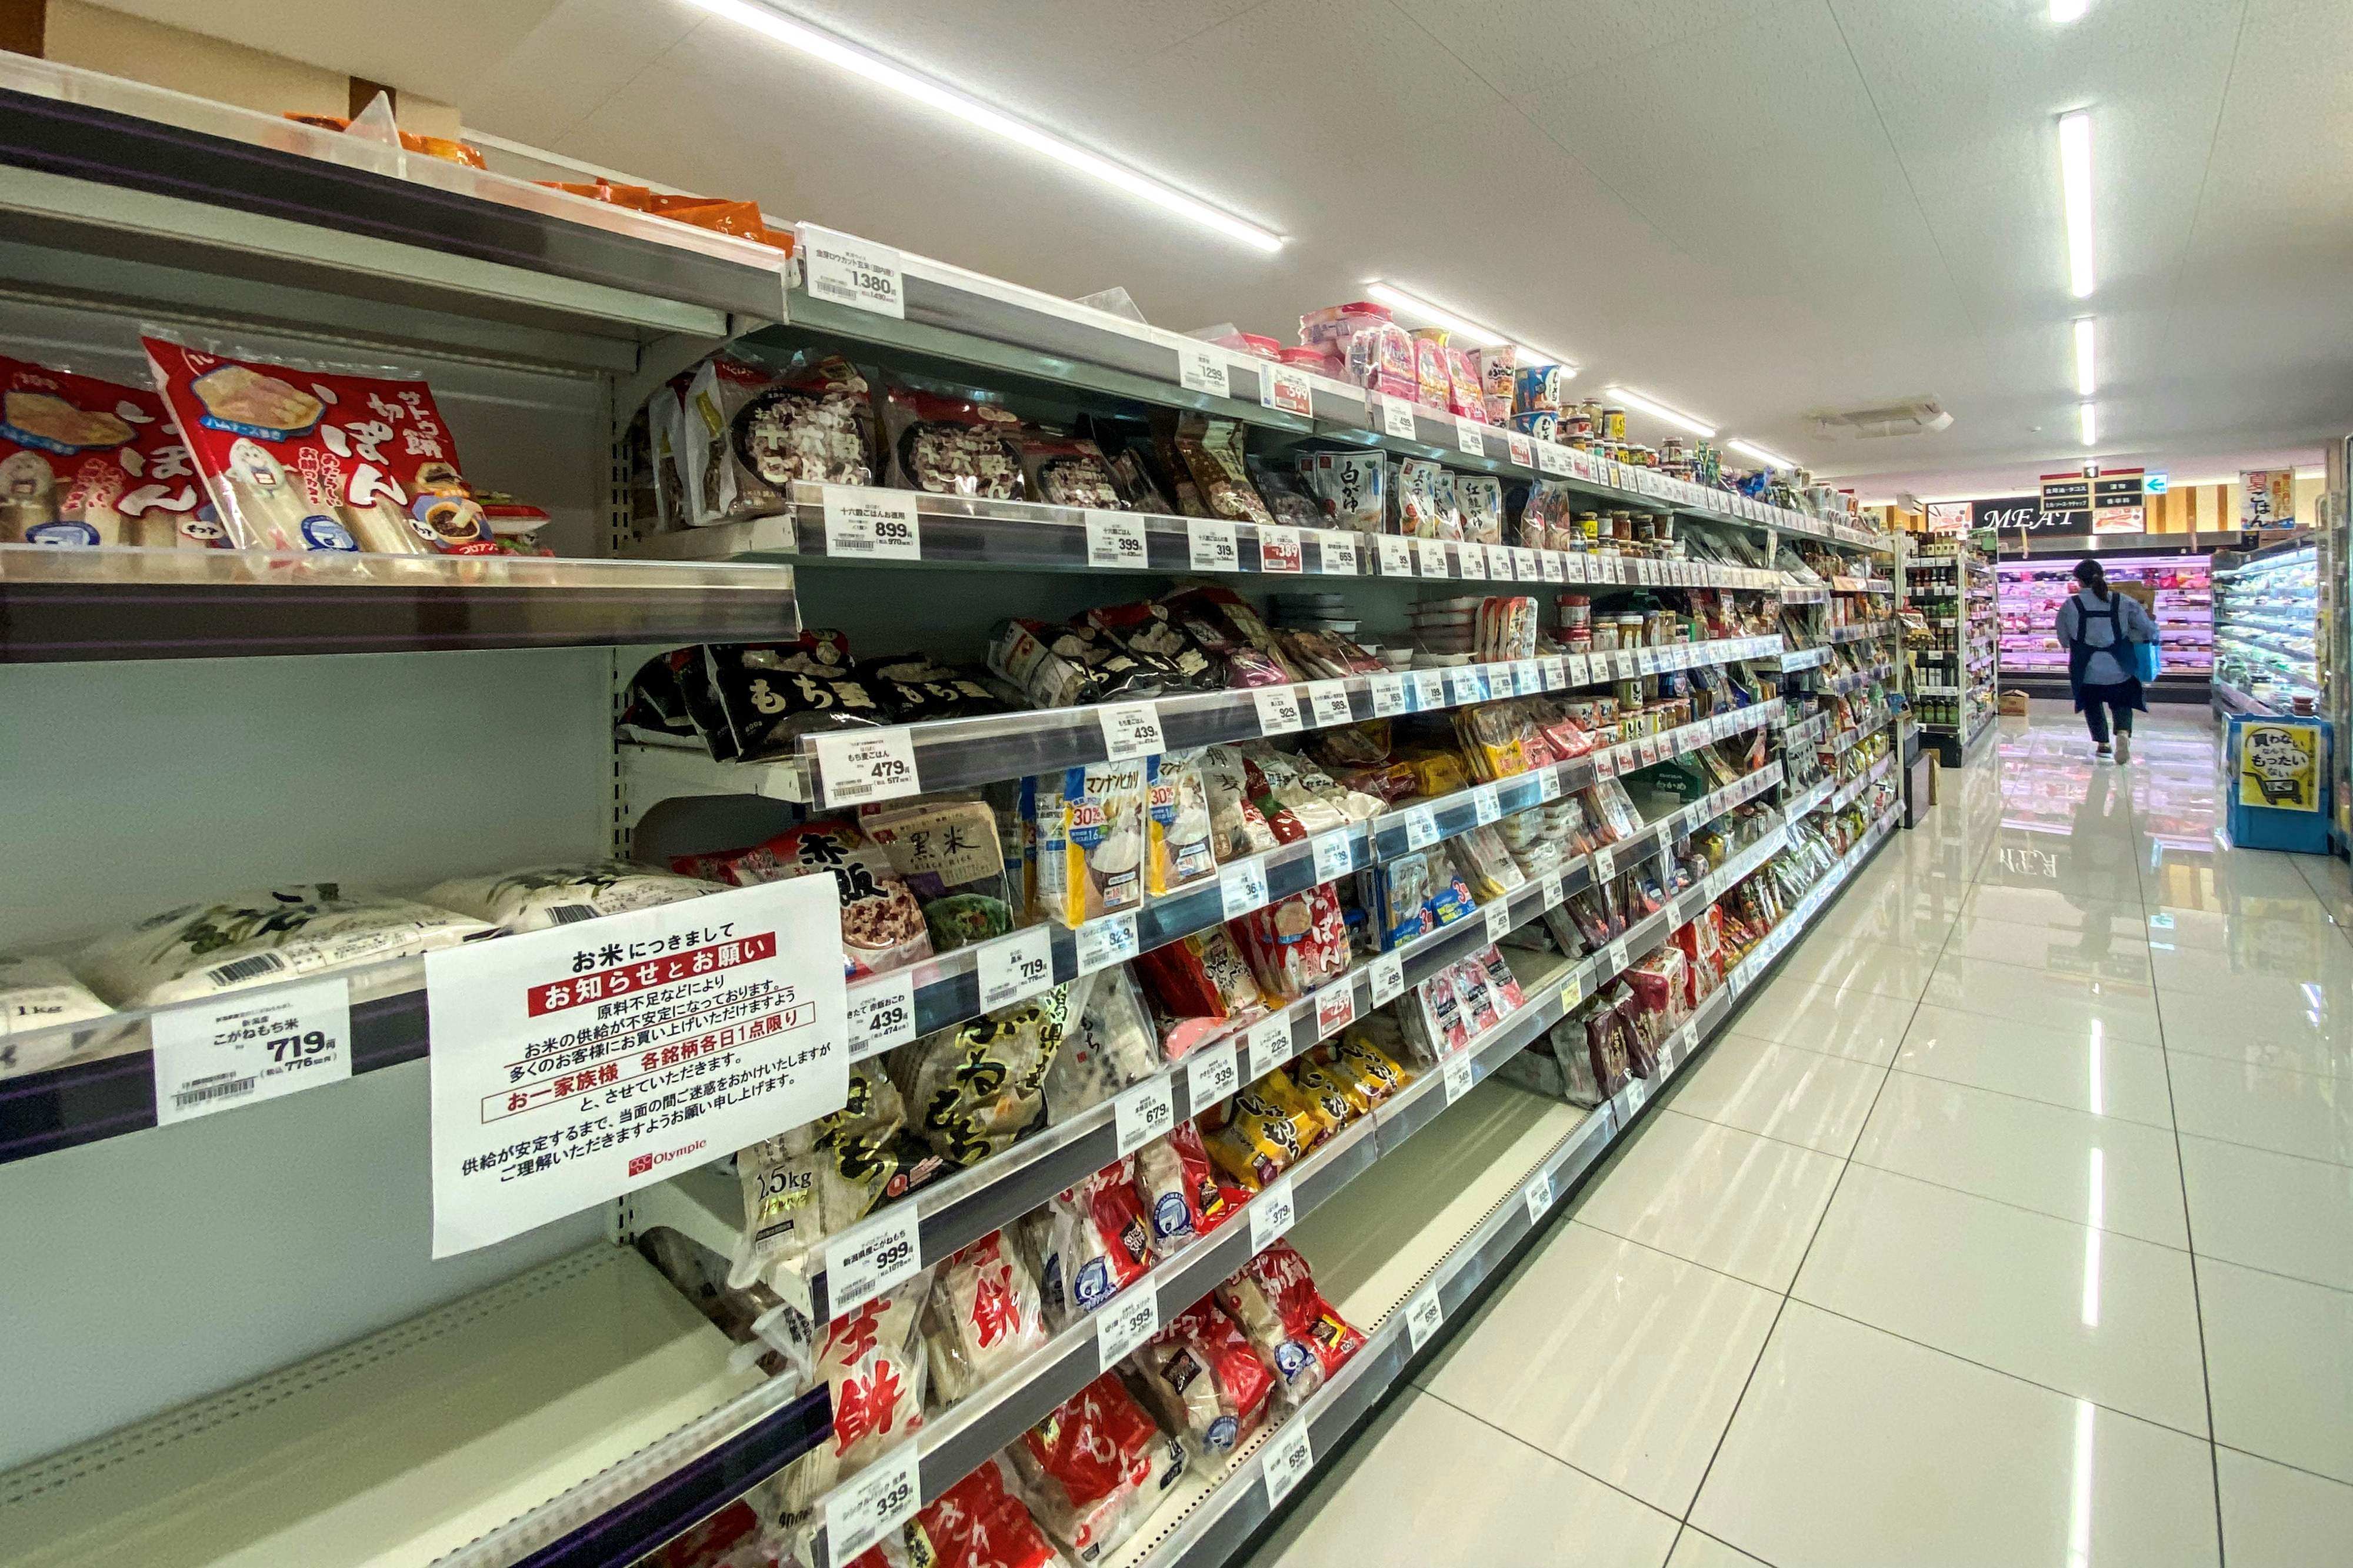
pixel 1949 516
pixel 2266 498
pixel 2279 766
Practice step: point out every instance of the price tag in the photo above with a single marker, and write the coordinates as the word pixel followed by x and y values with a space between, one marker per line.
pixel 1429 689
pixel 1241 887
pixel 1431 555
pixel 1329 701
pixel 1269 1046
pixel 1572 990
pixel 1577 566
pixel 873 765
pixel 1287 1461
pixel 1388 695
pixel 1202 367
pixel 1538 1196
pixel 1278 708
pixel 1286 388
pixel 1387 974
pixel 873 1503
pixel 1335 854
pixel 1552 458
pixel 1211 1074
pixel 866 1260
pixel 1529 563
pixel 1555 565
pixel 1499 920
pixel 1605 762
pixel 1550 885
pixel 863 524
pixel 1459 1072
pixel 1420 828
pixel 1016 967
pixel 1605 863
pixel 1547 784
pixel 1130 730
pixel 1272 1213
pixel 1527 676
pixel 1145 1112
pixel 1132 1318
pixel 1277 550
pixel 1423 1317
pixel 1106 941
pixel 1397 556
pixel 248 1046
pixel 1114 540
pixel 1522 450
pixel 1617 952
pixel 1396 417
pixel 1577 667
pixel 853 272
pixel 1484 805
pixel 1553 670
pixel 1210 541
pixel 1471 439
pixel 1637 1091
pixel 1336 548
pixel 1646 661
pixel 1335 1008
pixel 883 1014
pixel 1471 562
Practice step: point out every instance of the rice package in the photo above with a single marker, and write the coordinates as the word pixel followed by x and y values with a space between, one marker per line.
pixel 806 1183
pixel 1201 1375
pixel 984 1315
pixel 882 926
pixel 1086 839
pixel 872 1360
pixel 85 461
pixel 746 432
pixel 763 698
pixel 1180 846
pixel 952 446
pixel 1287 1320
pixel 1182 1196
pixel 316 459
pixel 947 852
pixel 39 993
pixel 975 1523
pixel 542 896
pixel 1110 1044
pixel 974 1089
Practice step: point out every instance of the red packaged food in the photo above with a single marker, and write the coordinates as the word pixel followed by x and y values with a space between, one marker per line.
pixel 1294 1330
pixel 1201 1375
pixel 1200 988
pixel 1295 944
pixel 1094 1467
pixel 975 1523
pixel 1501 980
pixel 85 461
pixel 1179 1188
pixel 1093 1242
pixel 306 459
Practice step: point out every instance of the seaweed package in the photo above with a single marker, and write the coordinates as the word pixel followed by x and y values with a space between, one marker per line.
pixel 952 446
pixel 1224 624
pixel 85 461
pixel 1148 631
pixel 974 1090
pixel 303 459
pixel 1350 487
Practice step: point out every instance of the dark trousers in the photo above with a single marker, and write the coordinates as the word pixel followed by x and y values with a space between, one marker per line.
pixel 2099 701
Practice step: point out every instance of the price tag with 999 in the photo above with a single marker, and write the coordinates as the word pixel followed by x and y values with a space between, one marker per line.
pixel 863 1262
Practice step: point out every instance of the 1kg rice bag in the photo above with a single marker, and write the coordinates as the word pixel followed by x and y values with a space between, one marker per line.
pixel 1111 1045
pixel 1094 1468
pixel 1287 1320
pixel 316 459
pixel 882 926
pixel 85 461
pixel 1201 1375
pixel 983 1314
pixel 38 992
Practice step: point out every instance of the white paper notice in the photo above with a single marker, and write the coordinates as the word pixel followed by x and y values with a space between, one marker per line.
pixel 573 1065
pixel 251 1045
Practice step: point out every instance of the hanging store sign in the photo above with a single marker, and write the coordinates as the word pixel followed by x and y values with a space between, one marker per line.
pixel 2026 514
pixel 2066 492
pixel 2119 520
pixel 2117 487
pixel 2266 498
pixel 572 1065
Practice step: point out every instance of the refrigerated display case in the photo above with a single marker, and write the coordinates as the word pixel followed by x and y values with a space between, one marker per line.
pixel 2267 630
pixel 2182 585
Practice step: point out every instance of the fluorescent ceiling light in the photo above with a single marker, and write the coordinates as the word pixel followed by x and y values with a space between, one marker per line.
pixel 1462 327
pixel 2075 181
pixel 2065 11
pixel 2085 382
pixel 810 40
pixel 2090 426
pixel 1634 399
pixel 1770 459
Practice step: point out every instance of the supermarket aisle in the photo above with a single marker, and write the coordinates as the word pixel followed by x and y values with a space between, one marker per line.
pixel 2012 1222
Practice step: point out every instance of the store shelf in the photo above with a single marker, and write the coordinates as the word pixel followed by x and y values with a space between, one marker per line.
pixel 1798 658
pixel 1854 680
pixel 1847 634
pixel 60 605
pixel 1442 1219
pixel 957 754
pixel 2228 699
pixel 582 1412
pixel 706 1205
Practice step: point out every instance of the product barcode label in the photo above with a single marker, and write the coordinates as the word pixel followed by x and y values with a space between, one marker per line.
pixel 1471 562
pixel 1420 828
pixel 1485 806
pixel 1115 541
pixel 1431 556
pixel 1241 887
pixel 238 971
pixel 204 1092
pixel 1336 1008
pixel 1015 966
pixel 1459 1072
pixel 881 1014
pixel 1522 450
pixel 1269 1042
pixel 1386 975
pixel 1277 549
pixel 1388 695
pixel 1499 920
pixel 873 764
pixel 1539 1196
pixel 1328 701
pixel 1470 437
pixel 863 524
pixel 1397 556
pixel 1429 689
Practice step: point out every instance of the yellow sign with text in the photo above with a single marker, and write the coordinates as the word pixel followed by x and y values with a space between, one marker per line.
pixel 2279 766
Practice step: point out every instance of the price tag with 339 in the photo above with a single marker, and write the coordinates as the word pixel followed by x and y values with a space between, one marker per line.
pixel 873 1503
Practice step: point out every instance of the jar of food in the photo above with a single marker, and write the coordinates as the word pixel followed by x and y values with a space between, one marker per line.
pixel 1613 424
pixel 1588 526
pixel 1576 612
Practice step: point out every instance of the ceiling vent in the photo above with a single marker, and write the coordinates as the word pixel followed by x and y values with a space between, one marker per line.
pixel 1914 416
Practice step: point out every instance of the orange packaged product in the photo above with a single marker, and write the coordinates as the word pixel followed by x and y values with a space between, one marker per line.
pixel 442 147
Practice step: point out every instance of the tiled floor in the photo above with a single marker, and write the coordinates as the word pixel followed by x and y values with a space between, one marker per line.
pixel 2012 1222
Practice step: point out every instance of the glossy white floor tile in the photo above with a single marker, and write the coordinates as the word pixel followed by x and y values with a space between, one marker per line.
pixel 2081 1068
pixel 2272 1516
pixel 2307 1027
pixel 1781 1091
pixel 1716 1196
pixel 2093 1169
pixel 1859 963
pixel 1862 1024
pixel 2273 1211
pixel 2049 907
pixel 2286 1111
pixel 2279 1361
pixel 2098 953
pixel 2041 996
pixel 2100 1316
pixel 1660 1350
pixel 1854 1448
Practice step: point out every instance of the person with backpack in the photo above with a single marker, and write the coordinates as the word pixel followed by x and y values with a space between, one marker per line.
pixel 2103 631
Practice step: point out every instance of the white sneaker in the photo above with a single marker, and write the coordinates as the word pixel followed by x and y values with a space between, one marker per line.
pixel 2124 745
pixel 2101 753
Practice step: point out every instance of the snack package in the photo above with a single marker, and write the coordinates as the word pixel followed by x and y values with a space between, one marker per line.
pixel 1201 989
pixel 1092 1241
pixel 950 445
pixel 1288 1321
pixel 1085 839
pixel 38 992
pixel 85 461
pixel 1209 451
pixel 1266 1133
pixel 983 1314
pixel 255 939
pixel 882 926
pixel 748 431
pixel 975 1087
pixel 308 459
pixel 1359 1052
pixel 1202 1376
pixel 1111 1044
pixel 1179 1188
pixel 1351 488
pixel 1179 844
pixel 543 896
pixel 1094 1468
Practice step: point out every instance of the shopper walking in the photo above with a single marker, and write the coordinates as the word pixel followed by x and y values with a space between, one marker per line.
pixel 2096 625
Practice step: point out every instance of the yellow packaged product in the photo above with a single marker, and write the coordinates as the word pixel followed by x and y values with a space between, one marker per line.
pixel 1262 1139
pixel 1437 772
pixel 1317 1117
pixel 1374 1068
pixel 1333 1086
